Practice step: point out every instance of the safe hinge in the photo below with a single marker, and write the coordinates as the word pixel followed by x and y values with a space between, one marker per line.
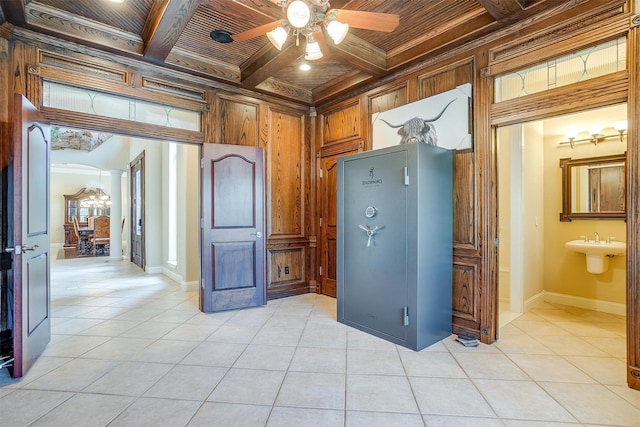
pixel 406 175
pixel 320 270
pixel 320 173
pixel 405 316
pixel 320 222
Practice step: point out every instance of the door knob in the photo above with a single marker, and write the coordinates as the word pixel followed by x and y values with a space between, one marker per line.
pixel 257 234
pixel 20 249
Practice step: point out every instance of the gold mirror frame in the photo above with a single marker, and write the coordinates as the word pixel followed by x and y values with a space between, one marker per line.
pixel 567 187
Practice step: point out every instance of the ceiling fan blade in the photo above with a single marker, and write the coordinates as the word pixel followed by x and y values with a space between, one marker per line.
pixel 255 32
pixel 386 22
pixel 322 42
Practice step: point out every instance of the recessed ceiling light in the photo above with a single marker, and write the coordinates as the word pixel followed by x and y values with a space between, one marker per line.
pixel 116 1
pixel 305 67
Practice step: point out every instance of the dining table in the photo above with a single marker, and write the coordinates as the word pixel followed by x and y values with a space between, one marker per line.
pixel 85 236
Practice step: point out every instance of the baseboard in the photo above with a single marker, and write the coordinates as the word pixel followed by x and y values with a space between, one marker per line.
pixel 190 286
pixel 153 270
pixel 534 301
pixel 185 286
pixel 586 303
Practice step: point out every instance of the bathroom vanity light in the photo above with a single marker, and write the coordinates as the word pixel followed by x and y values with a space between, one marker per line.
pixel 596 135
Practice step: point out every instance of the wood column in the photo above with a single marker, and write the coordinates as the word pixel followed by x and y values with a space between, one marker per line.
pixel 633 202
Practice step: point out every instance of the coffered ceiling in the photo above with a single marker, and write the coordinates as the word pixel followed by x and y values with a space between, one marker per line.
pixel 176 34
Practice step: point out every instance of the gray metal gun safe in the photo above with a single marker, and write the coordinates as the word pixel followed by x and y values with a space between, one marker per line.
pixel 394 237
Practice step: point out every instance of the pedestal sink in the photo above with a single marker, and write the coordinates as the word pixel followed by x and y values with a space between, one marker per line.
pixel 598 253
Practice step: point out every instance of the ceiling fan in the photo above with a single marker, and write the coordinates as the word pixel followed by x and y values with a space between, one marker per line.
pixel 306 18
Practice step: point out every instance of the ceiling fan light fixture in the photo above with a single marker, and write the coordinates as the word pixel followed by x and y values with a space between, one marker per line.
pixel 312 52
pixel 337 31
pixel 277 37
pixel 298 13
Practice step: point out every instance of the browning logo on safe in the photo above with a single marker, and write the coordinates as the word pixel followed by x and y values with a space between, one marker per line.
pixel 372 181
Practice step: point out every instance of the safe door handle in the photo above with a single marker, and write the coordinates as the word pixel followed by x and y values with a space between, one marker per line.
pixel 371 232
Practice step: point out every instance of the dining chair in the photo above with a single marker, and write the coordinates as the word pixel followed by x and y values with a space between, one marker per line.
pixel 101 235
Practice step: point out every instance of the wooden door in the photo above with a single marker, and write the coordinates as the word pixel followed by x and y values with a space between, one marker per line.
pixel 233 224
pixel 328 229
pixel 328 220
pixel 31 235
pixel 137 211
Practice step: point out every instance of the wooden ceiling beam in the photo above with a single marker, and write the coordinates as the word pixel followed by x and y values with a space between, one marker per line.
pixel 457 35
pixel 501 9
pixel 165 23
pixel 268 61
pixel 346 82
pixel 361 55
pixel 13 11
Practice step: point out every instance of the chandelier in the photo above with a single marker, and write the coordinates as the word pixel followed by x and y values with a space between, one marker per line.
pixel 97 199
pixel 304 18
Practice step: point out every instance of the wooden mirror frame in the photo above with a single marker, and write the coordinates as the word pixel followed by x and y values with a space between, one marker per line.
pixel 566 164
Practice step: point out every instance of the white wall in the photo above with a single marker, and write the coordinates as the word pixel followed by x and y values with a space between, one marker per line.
pixel 533 202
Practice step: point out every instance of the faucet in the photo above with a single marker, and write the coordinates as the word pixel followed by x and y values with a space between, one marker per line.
pixel 596 237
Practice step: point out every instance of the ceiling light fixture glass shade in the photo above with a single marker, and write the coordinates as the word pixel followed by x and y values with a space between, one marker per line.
pixel 298 14
pixel 277 37
pixel 312 51
pixel 337 31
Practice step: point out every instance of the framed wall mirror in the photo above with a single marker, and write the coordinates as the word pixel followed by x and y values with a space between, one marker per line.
pixel 594 188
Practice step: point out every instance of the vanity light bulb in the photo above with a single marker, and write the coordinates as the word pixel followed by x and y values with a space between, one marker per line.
pixel 595 130
pixel 620 126
pixel 571 134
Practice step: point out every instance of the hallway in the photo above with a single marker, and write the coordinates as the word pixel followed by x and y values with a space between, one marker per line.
pixel 133 349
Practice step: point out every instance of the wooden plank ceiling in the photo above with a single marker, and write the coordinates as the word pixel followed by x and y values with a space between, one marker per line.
pixel 176 33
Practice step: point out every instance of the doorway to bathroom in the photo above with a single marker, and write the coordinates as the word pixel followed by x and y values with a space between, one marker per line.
pixel 535 267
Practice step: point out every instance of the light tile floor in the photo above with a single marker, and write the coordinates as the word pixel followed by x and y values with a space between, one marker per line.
pixel 131 349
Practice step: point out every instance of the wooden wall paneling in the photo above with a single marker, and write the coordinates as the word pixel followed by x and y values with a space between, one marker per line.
pixel 487 202
pixel 633 203
pixel 209 121
pixel 23 56
pixel 341 132
pixel 286 265
pixel 466 295
pixel 310 199
pixel 237 121
pixel 601 91
pixel 469 277
pixel 342 123
pixel 127 83
pixel 285 174
pixel 287 269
